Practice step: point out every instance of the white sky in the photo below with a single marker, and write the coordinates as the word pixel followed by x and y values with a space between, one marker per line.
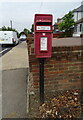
pixel 21 12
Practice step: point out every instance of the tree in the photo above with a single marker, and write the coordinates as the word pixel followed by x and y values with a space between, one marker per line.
pixel 32 28
pixel 26 31
pixel 3 28
pixel 67 22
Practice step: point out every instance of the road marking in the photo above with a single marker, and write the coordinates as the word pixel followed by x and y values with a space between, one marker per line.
pixel 3 50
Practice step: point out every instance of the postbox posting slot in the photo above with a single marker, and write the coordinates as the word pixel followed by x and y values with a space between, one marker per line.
pixel 43 26
pixel 43 23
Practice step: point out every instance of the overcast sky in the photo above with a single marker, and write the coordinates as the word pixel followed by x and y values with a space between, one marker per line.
pixel 21 12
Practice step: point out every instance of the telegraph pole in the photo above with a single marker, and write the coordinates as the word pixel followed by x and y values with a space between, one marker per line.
pixel 11 23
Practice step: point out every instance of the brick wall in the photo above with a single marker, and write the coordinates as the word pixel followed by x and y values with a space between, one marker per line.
pixel 62 71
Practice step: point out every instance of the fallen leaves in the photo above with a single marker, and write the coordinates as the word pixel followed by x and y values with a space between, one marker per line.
pixel 65 105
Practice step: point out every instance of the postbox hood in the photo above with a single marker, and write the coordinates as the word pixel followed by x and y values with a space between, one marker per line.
pixel 43 17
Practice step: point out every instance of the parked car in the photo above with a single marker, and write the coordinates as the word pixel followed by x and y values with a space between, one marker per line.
pixel 22 37
pixel 8 37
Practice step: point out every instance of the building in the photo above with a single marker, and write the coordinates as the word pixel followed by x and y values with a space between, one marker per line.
pixel 55 26
pixel 78 17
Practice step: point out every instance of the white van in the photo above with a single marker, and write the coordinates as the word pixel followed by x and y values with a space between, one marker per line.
pixel 8 37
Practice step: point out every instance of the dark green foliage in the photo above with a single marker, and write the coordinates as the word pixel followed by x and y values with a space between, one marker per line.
pixel 32 28
pixel 66 34
pixel 26 31
pixel 67 22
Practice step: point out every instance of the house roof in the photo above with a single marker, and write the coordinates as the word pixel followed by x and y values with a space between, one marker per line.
pixel 79 9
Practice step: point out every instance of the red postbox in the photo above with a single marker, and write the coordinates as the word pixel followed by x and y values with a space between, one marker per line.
pixel 43 35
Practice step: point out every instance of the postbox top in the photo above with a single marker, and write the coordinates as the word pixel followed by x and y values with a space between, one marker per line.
pixel 43 18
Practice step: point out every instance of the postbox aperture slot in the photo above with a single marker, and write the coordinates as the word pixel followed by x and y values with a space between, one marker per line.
pixel 43 44
pixel 43 23
pixel 43 26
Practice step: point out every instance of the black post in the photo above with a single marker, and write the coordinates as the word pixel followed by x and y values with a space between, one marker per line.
pixel 41 63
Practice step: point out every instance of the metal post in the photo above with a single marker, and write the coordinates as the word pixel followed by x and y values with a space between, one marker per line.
pixel 41 63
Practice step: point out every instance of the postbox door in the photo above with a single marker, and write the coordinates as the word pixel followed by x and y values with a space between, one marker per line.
pixel 43 44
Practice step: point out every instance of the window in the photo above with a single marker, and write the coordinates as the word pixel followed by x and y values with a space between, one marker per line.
pixel 80 27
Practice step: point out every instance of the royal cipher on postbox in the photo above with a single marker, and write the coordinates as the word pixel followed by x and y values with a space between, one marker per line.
pixel 43 35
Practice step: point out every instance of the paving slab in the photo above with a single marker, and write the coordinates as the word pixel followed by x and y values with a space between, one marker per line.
pixel 16 58
pixel 14 104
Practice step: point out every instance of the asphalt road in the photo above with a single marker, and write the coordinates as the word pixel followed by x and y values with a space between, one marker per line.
pixel 6 48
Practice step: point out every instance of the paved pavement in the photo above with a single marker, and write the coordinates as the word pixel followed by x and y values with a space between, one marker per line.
pixel 14 93
pixel 14 76
pixel 6 48
pixel 0 89
pixel 16 58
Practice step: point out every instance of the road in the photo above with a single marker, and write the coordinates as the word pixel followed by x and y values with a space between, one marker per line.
pixel 4 49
